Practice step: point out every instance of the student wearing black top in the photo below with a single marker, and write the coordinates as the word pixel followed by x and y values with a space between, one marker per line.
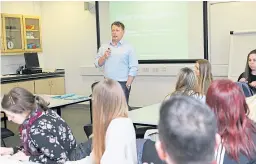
pixel 249 76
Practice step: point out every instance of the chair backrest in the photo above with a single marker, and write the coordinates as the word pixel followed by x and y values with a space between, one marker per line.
pixel 88 130
pixel 245 88
pixel 149 154
pixel 151 134
pixel 252 162
pixel 4 118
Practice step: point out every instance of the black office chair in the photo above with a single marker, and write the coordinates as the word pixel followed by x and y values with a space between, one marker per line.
pixel 88 127
pixel 5 133
pixel 88 130
pixel 140 131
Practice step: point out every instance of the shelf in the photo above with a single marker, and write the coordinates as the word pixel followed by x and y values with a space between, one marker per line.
pixel 32 30
pixel 12 30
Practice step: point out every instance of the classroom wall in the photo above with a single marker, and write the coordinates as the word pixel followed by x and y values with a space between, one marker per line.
pixel 9 64
pixel 155 81
pixel 226 17
pixel 68 38
pixel 71 44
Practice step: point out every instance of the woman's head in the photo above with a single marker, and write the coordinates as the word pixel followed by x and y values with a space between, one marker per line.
pixel 250 63
pixel 203 71
pixel 19 102
pixel 187 82
pixel 108 103
pixel 227 101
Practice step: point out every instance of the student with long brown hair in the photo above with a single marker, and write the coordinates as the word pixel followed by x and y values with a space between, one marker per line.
pixel 203 71
pixel 249 75
pixel 114 139
pixel 45 136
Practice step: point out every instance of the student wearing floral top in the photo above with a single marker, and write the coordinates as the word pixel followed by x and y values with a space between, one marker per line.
pixel 45 136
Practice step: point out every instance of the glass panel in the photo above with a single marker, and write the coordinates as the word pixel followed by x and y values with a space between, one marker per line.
pixel 13 33
pixel 32 33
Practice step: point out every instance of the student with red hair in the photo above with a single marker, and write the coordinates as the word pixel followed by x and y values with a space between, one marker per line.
pixel 237 131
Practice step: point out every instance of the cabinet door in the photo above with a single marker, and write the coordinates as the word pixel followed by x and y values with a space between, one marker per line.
pixel 32 33
pixel 58 86
pixel 12 33
pixel 28 85
pixel 5 88
pixel 42 86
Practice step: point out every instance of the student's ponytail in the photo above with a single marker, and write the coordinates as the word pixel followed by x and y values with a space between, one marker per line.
pixel 41 103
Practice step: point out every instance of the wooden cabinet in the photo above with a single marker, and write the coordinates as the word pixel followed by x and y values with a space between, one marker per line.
pixel 42 86
pixel 12 37
pixel 58 86
pixel 28 85
pixel 20 33
pixel 51 86
pixel 5 88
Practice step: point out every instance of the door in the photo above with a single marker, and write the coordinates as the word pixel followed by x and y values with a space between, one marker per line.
pixel 42 86
pixel 5 88
pixel 57 86
pixel 28 85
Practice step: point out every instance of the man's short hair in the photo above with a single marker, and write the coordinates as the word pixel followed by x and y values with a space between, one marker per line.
pixel 118 24
pixel 187 129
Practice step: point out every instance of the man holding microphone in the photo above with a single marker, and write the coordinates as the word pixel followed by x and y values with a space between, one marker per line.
pixel 118 59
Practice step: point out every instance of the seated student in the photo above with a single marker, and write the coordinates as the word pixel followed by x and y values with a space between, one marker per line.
pixel 187 132
pixel 203 71
pixel 45 136
pixel 114 139
pixel 237 131
pixel 249 76
pixel 187 84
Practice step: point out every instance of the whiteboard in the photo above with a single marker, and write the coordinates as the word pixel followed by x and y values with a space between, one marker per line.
pixel 223 18
pixel 241 43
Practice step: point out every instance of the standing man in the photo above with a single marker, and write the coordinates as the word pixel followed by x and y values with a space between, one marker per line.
pixel 118 59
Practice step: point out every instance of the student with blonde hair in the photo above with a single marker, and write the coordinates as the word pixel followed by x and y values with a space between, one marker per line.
pixel 204 73
pixel 114 139
pixel 187 84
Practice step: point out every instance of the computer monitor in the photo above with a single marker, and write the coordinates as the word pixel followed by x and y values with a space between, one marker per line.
pixel 31 60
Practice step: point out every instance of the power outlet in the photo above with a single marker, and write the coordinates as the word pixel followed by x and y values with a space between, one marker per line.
pixel 155 69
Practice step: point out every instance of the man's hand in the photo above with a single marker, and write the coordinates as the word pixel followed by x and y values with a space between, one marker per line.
pixel 107 53
pixel 128 86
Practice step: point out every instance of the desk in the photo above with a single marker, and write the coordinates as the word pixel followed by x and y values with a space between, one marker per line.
pixel 147 116
pixel 57 104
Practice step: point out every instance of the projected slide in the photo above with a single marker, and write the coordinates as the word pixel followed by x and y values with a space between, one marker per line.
pixel 160 30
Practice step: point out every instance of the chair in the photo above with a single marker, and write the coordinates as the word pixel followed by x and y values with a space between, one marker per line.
pixel 248 92
pixel 5 133
pixel 88 130
pixel 140 131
